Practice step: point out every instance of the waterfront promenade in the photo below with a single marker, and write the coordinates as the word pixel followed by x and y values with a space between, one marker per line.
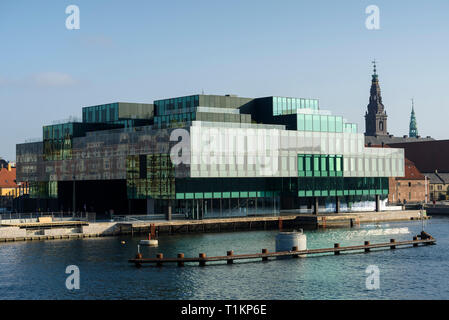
pixel 46 229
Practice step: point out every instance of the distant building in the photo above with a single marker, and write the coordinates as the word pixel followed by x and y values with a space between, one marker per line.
pixel 8 185
pixel 432 159
pixel 9 188
pixel 408 189
pixel 243 157
pixel 439 185
pixel 376 120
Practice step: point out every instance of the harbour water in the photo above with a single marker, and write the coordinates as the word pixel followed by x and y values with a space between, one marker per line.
pixel 36 270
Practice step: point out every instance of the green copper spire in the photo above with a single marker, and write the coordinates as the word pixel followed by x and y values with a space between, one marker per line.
pixel 413 132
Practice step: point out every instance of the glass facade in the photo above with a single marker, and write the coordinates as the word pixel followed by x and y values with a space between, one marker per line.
pixel 44 190
pixel 245 156
pixel 316 165
pixel 101 113
pixel 324 123
pixel 150 177
pixel 283 105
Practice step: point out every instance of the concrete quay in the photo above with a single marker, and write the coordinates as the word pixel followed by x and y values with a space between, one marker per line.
pixel 57 231
pixel 284 221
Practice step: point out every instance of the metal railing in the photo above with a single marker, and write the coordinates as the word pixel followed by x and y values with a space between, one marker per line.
pixel 7 218
pixel 143 218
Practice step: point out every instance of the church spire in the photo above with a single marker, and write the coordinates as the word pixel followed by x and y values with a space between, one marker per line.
pixel 374 69
pixel 413 131
pixel 376 117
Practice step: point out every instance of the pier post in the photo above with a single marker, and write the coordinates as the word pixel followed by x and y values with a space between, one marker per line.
pixel 169 210
pixel 377 203
pixel 230 253
pixel 264 251
pixel 160 256
pixel 295 248
pixel 202 262
pixel 336 246
pixel 337 204
pixel 138 256
pixel 180 256
pixel 367 244
pixel 414 239
pixel 315 205
pixel 392 241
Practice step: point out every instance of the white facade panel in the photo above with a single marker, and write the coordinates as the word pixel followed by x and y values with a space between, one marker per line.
pixel 262 152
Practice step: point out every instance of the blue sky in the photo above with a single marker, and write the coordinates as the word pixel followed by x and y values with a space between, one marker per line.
pixel 139 51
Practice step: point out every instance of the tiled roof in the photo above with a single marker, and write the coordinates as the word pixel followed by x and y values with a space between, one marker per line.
pixel 7 178
pixel 411 172
pixel 437 177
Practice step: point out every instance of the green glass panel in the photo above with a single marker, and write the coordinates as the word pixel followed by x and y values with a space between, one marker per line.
pixel 308 122
pixel 338 124
pixel 243 194
pixel 235 194
pixel 308 163
pixel 338 164
pixel 316 163
pixel 323 165
pixel 301 164
pixel 180 196
pixel 301 122
pixel 217 195
pixel 324 121
pixel 275 106
pixel 252 194
pixel 208 195
pixel 189 195
pixel 198 195
pixel 331 123
pixel 226 194
pixel 316 123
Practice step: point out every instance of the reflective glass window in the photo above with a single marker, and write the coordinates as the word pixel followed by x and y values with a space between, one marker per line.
pixel 316 122
pixel 301 122
pixel 338 124
pixel 324 127
pixel 331 123
pixel 308 122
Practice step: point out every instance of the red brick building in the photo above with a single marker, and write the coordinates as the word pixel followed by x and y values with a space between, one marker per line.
pixel 408 189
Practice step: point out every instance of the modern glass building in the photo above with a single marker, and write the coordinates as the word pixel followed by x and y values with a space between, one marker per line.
pixel 206 156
